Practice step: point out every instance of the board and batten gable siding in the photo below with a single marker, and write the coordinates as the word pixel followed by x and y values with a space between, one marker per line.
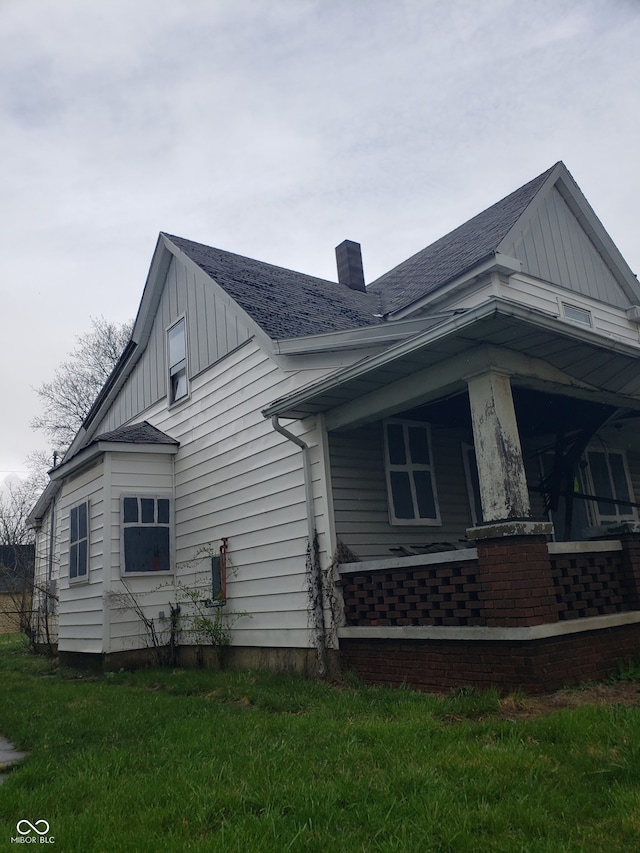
pixel 136 474
pixel 554 247
pixel 213 330
pixel 81 604
pixel 360 492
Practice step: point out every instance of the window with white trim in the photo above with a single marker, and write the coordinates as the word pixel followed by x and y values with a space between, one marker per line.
pixel 411 483
pixel 177 361
pixel 608 478
pixel 79 542
pixel 146 533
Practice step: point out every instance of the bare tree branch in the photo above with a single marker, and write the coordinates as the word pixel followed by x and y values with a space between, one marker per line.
pixel 68 398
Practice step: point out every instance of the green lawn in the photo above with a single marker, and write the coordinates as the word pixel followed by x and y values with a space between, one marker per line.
pixel 191 760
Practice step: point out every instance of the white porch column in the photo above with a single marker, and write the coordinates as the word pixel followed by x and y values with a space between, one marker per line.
pixel 503 483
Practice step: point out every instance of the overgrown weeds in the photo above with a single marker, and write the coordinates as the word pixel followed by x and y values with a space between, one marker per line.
pixel 227 761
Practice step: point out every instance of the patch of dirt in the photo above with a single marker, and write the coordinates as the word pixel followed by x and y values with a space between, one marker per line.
pixel 529 707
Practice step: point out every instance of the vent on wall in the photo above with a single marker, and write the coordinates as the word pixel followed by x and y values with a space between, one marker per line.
pixel 575 314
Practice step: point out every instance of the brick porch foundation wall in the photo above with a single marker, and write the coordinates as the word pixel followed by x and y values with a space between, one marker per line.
pixel 536 666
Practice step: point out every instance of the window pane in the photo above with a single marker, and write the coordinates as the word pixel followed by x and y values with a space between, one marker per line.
pixel 419 446
pixel 163 511
pixel 395 444
pixel 146 549
pixel 82 521
pixel 424 494
pixel 74 524
pixel 147 510
pixel 601 481
pixel 620 482
pixel 82 557
pixel 401 493
pixel 130 510
pixel 178 385
pixel 177 347
pixel 73 561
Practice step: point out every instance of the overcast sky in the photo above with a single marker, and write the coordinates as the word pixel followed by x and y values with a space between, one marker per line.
pixel 276 129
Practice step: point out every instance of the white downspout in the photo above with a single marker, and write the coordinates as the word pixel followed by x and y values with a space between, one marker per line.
pixel 316 576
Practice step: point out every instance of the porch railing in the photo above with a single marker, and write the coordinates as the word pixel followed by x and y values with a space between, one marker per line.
pixel 446 589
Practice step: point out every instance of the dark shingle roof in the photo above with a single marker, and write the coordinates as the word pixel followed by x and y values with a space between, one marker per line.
pixel 286 304
pixel 142 433
pixel 456 252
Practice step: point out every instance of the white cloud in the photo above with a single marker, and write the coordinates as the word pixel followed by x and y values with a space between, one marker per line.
pixel 278 129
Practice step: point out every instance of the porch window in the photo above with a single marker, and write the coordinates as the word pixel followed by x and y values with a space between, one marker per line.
pixel 409 469
pixel 177 361
pixel 609 478
pixel 79 542
pixel 473 483
pixel 146 534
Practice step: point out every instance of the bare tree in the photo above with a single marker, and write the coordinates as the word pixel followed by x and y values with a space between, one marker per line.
pixel 68 398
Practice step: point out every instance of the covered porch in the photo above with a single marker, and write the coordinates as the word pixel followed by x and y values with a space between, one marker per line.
pixel 483 479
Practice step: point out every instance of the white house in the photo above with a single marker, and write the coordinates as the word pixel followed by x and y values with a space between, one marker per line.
pixel 431 478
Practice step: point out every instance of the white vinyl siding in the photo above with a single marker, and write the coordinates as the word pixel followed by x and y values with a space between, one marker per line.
pixel 213 330
pixel 81 605
pixel 360 493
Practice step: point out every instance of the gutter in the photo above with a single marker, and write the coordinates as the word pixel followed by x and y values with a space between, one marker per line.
pixel 316 592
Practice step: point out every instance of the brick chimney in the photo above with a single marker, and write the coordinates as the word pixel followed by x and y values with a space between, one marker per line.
pixel 349 258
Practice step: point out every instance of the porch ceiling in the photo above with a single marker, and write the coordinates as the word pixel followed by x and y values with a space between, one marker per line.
pixel 536 348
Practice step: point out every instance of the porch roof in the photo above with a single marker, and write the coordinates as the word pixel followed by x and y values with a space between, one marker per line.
pixel 536 348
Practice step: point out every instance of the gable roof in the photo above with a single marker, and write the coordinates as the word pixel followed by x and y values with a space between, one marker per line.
pixel 457 252
pixel 284 303
pixel 142 433
pixel 496 231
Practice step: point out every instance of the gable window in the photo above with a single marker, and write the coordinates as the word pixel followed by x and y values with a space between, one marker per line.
pixel 146 534
pixel 177 361
pixel 79 542
pixel 609 479
pixel 409 469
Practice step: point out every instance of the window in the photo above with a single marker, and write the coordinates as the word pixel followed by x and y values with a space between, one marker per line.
pixel 410 478
pixel 79 542
pixel 473 483
pixel 146 534
pixel 177 361
pixel 609 478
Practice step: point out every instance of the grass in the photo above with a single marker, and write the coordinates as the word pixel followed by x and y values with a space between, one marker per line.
pixel 250 762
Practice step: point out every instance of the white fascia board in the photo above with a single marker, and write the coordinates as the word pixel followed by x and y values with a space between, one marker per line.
pixel 494 306
pixel 365 337
pixel 496 263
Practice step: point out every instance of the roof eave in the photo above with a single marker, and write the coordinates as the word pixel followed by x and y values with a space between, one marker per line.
pixel 300 404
